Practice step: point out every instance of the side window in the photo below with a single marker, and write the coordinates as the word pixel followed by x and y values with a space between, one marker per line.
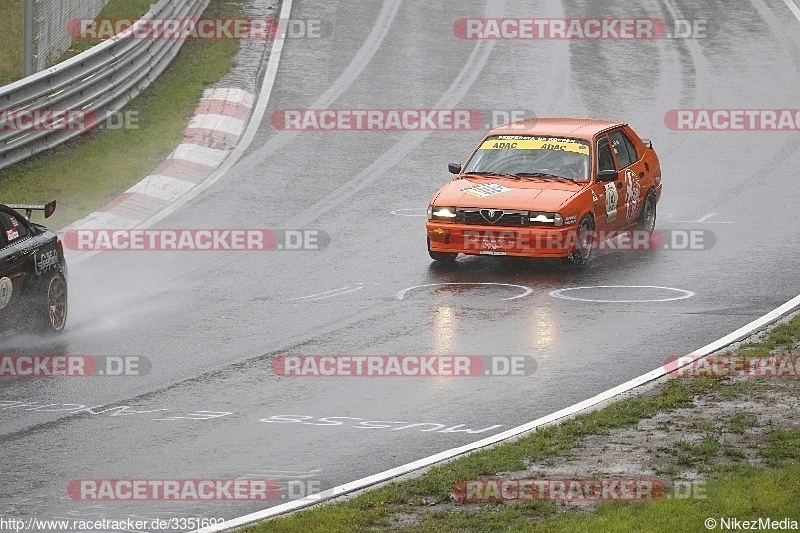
pixel 12 229
pixel 621 149
pixel 604 159
pixel 631 148
pixel 624 148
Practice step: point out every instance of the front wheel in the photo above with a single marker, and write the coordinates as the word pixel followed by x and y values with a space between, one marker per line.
pixel 444 257
pixel 585 242
pixel 53 315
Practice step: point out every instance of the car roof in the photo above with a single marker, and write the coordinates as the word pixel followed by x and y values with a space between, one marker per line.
pixel 585 128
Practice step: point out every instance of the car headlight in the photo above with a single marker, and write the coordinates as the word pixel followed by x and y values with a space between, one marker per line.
pixel 442 213
pixel 538 218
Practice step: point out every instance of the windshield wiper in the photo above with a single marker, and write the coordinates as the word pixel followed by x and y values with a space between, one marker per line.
pixel 496 174
pixel 543 175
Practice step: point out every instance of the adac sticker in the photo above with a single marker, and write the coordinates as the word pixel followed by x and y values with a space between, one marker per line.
pixel 486 189
pixel 612 197
pixel 538 143
pixel 6 288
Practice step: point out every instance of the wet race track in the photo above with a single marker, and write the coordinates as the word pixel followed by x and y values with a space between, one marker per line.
pixel 210 324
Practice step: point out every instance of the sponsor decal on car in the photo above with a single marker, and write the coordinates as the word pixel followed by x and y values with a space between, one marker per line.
pixel 45 261
pixel 535 143
pixel 632 189
pixel 611 202
pixel 12 234
pixel 484 190
pixel 6 288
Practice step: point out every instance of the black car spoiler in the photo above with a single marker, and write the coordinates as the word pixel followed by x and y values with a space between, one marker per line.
pixel 48 208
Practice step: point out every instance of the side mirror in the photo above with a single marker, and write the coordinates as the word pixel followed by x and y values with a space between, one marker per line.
pixel 454 168
pixel 607 175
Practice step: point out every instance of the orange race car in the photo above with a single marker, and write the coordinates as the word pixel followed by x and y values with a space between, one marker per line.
pixel 546 188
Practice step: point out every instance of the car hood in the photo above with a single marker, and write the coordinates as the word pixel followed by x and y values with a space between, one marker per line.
pixel 507 193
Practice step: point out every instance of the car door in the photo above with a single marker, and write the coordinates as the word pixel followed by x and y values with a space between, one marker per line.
pixel 13 263
pixel 631 168
pixel 606 195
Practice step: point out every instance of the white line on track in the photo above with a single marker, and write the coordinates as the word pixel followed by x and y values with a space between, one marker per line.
pixel 426 462
pixel 793 8
pixel 328 294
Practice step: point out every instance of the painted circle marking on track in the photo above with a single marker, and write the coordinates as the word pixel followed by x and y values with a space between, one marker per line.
pixel 527 290
pixel 560 294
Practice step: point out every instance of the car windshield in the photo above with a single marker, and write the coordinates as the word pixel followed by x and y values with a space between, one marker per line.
pixel 532 157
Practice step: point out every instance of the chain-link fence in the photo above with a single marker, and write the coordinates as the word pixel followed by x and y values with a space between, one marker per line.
pixel 50 20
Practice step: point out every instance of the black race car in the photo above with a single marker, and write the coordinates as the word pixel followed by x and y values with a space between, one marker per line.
pixel 33 272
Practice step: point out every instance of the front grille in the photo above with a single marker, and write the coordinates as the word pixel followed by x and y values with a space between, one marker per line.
pixel 508 218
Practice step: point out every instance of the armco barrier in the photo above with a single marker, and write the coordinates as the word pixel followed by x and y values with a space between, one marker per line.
pixel 96 83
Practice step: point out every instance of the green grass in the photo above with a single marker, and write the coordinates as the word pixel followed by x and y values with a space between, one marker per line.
pixel 735 490
pixel 86 173
pixel 12 24
pixel 122 9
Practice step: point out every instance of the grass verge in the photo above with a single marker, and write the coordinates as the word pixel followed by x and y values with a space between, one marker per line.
pixel 11 40
pixel 749 459
pixel 86 173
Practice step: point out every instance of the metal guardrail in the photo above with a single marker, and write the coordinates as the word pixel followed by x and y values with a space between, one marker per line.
pixel 98 83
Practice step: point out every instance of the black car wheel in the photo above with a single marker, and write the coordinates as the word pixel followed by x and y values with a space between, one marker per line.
pixel 445 257
pixel 585 242
pixel 54 315
pixel 647 218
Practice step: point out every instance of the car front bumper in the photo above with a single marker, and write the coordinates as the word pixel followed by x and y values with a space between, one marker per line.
pixel 492 240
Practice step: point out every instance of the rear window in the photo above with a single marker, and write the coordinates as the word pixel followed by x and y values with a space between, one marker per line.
pixel 13 230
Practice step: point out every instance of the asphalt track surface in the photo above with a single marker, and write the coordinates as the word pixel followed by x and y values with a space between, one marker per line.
pixel 210 323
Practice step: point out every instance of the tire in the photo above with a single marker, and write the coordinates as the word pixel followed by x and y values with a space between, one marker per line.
pixel 443 257
pixel 585 242
pixel 53 314
pixel 647 218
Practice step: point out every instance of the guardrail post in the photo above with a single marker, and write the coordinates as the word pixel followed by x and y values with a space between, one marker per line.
pixel 27 52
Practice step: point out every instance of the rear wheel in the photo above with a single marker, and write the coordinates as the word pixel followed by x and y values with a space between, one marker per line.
pixel 444 257
pixel 53 317
pixel 647 218
pixel 585 242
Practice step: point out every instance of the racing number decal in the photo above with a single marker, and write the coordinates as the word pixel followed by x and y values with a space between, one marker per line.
pixel 632 190
pixel 6 288
pixel 611 202
pixel 487 189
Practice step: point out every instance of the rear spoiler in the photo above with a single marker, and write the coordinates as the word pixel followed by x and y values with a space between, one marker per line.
pixel 48 208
